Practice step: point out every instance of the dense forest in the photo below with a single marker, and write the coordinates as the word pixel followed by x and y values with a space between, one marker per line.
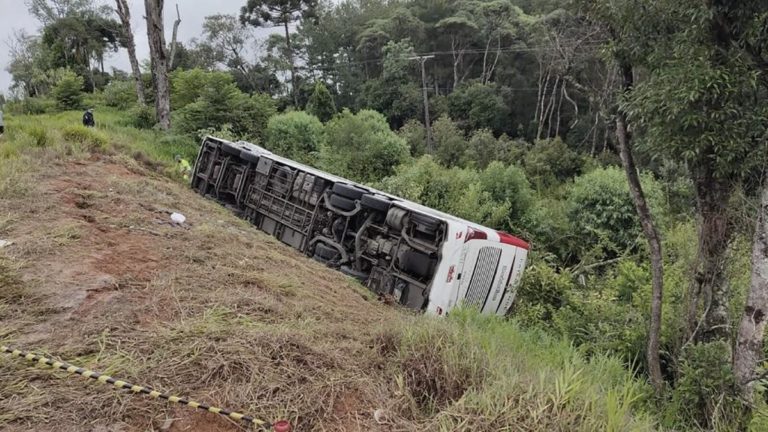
pixel 625 139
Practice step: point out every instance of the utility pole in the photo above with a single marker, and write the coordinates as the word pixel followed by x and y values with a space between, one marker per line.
pixel 422 60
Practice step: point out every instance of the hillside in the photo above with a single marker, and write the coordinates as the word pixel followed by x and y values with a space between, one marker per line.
pixel 217 311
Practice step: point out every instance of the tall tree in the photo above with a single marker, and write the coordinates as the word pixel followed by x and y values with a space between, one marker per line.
pixel 159 59
pixel 48 11
pixel 749 345
pixel 229 39
pixel 280 13
pixel 124 12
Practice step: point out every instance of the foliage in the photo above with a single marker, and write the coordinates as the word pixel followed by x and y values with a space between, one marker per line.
pixel 120 94
pixel 550 162
pixel 414 133
pixel 449 142
pixel 218 102
pixel 321 103
pixel 362 147
pixel 702 391
pixel 603 215
pixel 479 106
pixel 140 116
pixel 68 92
pixel 295 135
pixel 88 137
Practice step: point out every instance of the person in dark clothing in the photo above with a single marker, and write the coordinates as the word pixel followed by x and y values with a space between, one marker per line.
pixel 88 120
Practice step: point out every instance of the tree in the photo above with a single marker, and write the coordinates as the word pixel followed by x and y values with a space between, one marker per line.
pixel 228 39
pixel 450 145
pixel 461 29
pixel 48 11
pixel 321 103
pixel 749 344
pixel 69 91
pixel 159 58
pixel 280 12
pixel 362 147
pixel 295 135
pixel 124 12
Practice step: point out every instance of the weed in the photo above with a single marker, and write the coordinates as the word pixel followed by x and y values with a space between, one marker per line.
pixel 90 138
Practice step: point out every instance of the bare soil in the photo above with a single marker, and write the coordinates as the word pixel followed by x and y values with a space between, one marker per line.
pixel 213 310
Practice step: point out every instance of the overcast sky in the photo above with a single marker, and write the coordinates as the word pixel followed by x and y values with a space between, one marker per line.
pixel 14 15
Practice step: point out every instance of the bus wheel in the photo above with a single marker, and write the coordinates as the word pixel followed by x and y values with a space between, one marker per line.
pixel 376 202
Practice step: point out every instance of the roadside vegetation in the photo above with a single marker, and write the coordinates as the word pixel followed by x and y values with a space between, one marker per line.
pixel 225 329
pixel 626 140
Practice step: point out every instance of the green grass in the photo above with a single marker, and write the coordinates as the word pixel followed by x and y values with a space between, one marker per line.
pixel 472 372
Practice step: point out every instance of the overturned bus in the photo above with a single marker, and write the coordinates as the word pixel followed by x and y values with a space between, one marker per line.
pixel 423 258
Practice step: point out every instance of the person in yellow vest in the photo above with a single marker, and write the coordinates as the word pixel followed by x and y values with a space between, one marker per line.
pixel 185 169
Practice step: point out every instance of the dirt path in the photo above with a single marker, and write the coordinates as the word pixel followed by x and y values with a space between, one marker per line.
pixel 213 310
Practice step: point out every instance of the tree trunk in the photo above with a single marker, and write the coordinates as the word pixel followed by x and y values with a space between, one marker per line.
pixel 156 36
pixel 294 84
pixel 709 283
pixel 749 344
pixel 125 18
pixel 174 35
pixel 651 235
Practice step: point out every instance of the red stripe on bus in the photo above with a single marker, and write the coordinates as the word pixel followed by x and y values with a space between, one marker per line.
pixel 512 240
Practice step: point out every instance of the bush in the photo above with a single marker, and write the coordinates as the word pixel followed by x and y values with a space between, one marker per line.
pixel 542 291
pixel 603 215
pixel 187 86
pixel 88 137
pixel 220 102
pixel 449 142
pixel 477 106
pixel 295 135
pixel 362 147
pixel 550 162
pixel 120 94
pixel 508 187
pixel 39 135
pixel 140 117
pixel 415 135
pixel 321 103
pixel 703 391
pixel 68 91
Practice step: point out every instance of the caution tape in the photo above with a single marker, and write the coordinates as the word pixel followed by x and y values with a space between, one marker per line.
pixel 279 426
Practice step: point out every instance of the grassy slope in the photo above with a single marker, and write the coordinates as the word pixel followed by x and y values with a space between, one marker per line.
pixel 228 315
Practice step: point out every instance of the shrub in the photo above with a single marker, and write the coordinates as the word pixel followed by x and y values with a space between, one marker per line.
pixel 542 291
pixel 703 391
pixel 68 91
pixel 295 135
pixel 140 117
pixel 221 102
pixel 88 137
pixel 602 213
pixel 321 103
pixel 477 106
pixel 39 135
pixel 120 94
pixel 187 86
pixel 362 147
pixel 550 162
pixel 415 135
pixel 449 142
pixel 507 186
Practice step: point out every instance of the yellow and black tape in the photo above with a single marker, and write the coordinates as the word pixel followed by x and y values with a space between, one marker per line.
pixel 106 379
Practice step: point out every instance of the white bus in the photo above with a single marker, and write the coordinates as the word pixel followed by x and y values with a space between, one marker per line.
pixel 420 257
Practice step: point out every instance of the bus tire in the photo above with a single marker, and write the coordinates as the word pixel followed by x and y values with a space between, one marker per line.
pixel 342 203
pixel 348 191
pixel 415 263
pixel 376 202
pixel 327 253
